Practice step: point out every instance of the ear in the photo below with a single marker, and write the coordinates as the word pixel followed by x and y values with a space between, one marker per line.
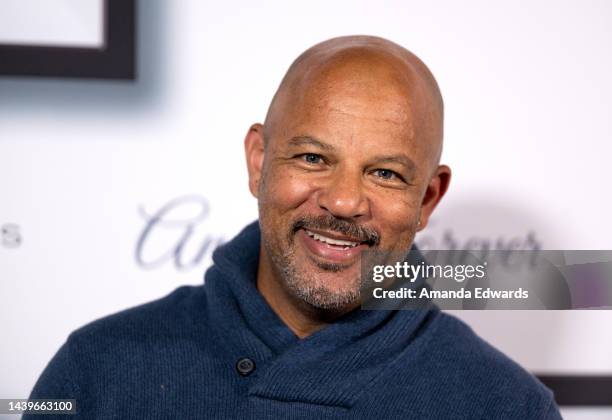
pixel 438 185
pixel 254 151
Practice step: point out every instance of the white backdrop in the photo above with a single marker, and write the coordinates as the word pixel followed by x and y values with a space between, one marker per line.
pixel 84 164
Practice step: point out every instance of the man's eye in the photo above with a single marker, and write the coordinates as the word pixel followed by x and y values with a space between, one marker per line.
pixel 386 174
pixel 312 158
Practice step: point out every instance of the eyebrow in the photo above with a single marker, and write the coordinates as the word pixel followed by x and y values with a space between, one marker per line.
pixel 399 159
pixel 309 140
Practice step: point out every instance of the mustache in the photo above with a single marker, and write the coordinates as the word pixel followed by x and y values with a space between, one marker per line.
pixel 343 226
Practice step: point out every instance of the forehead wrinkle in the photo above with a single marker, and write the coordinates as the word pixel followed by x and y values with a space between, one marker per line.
pixel 406 124
pixel 310 140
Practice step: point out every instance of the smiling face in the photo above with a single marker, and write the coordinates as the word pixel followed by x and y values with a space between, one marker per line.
pixel 345 167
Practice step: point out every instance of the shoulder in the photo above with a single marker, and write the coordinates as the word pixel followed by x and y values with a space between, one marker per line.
pixel 168 316
pixel 101 342
pixel 460 344
pixel 481 369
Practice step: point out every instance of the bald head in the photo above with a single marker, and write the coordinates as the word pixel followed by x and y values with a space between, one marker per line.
pixel 372 71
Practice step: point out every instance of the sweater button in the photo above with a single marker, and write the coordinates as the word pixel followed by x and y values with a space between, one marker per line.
pixel 245 366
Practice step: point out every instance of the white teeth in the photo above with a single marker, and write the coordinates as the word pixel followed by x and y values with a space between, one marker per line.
pixel 337 242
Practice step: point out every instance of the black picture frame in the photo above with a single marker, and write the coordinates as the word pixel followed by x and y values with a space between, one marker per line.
pixel 580 390
pixel 115 60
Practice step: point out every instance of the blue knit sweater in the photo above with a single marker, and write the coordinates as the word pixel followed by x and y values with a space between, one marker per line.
pixel 178 358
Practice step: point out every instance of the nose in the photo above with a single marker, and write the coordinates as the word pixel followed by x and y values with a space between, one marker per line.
pixel 343 195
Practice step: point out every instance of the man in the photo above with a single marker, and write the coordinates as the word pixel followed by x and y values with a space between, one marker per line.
pixel 346 161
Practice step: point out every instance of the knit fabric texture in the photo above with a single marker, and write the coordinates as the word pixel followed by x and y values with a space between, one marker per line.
pixel 178 358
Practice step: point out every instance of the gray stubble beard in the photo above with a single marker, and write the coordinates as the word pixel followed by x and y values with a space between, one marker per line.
pixel 302 286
